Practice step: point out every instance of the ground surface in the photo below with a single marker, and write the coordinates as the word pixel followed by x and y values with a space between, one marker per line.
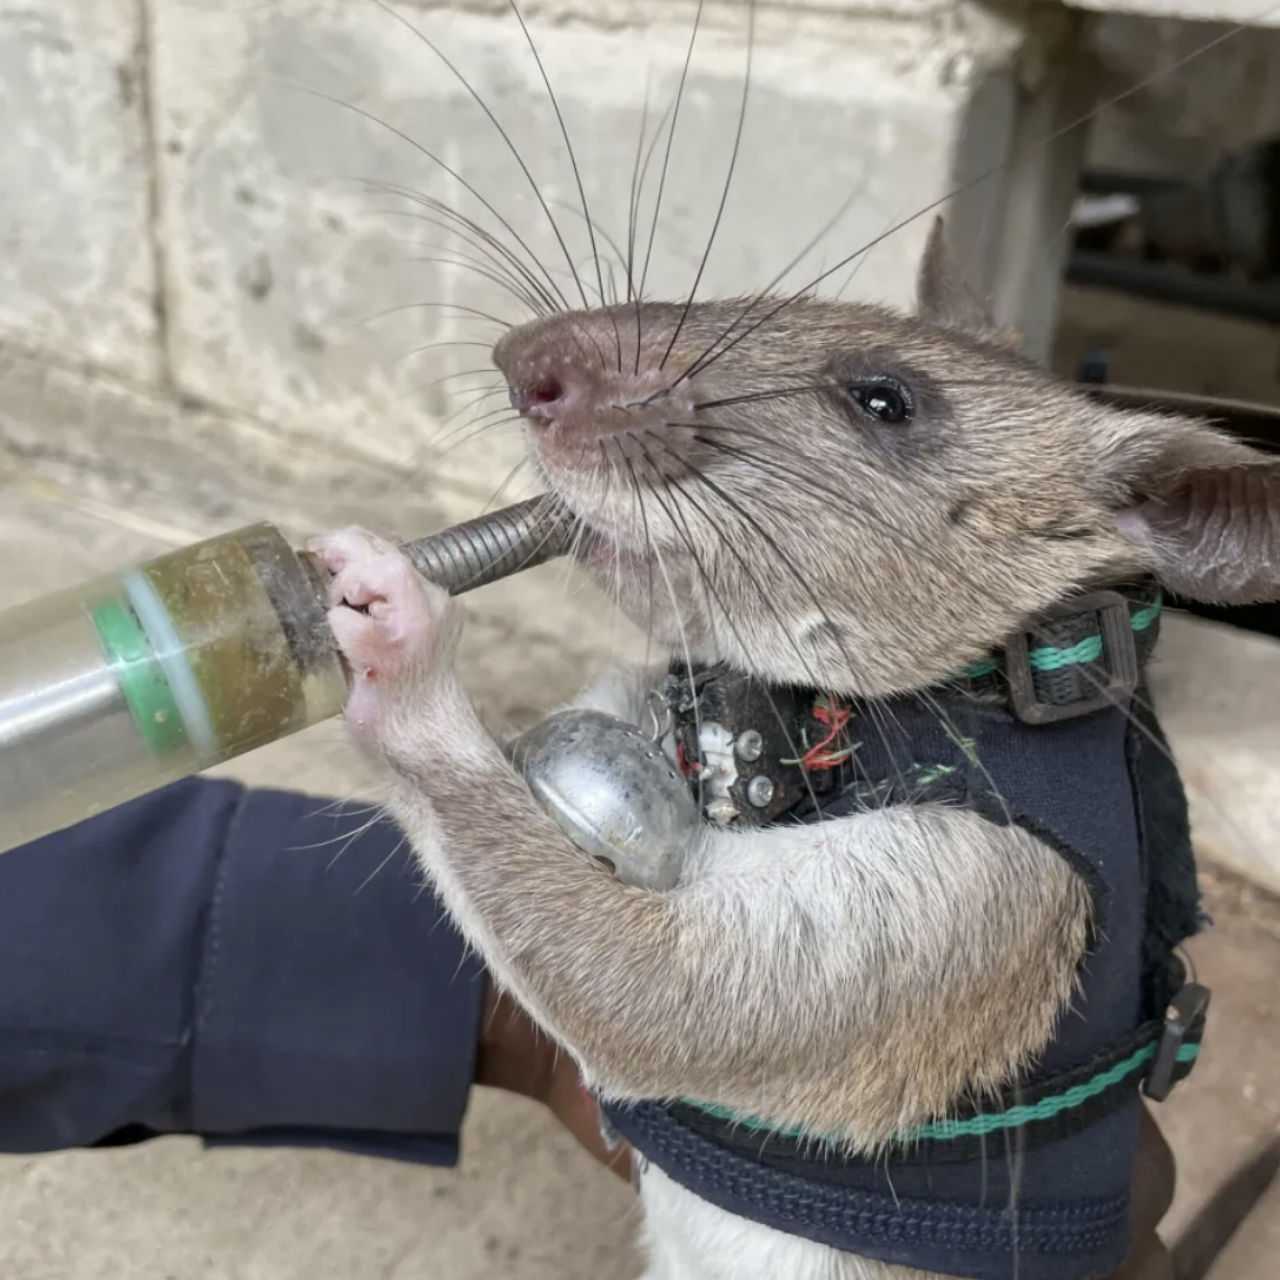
pixel 525 1204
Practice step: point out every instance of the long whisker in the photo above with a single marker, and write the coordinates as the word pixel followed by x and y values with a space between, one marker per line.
pixel 728 182
pixel 865 258
pixel 709 584
pixel 611 243
pixel 486 266
pixel 776 393
pixel 429 155
pixel 993 171
pixel 633 194
pixel 502 133
pixel 666 162
pixel 759 532
pixel 436 346
pixel 764 294
pixel 470 231
pixel 638 502
pixel 638 177
pixel 464 263
pixel 502 488
pixel 564 133
pixel 443 306
pixel 471 431
pixel 706 581
pixel 655 557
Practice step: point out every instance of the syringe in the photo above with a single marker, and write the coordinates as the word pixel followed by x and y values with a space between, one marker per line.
pixel 114 688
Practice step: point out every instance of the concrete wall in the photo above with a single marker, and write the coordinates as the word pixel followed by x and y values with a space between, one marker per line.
pixel 193 201
pixel 1183 92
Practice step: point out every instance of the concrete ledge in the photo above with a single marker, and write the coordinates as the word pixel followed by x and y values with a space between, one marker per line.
pixel 1218 693
pixel 1248 13
pixel 1182 92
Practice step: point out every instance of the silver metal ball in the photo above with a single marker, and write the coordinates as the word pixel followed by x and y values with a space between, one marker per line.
pixel 613 792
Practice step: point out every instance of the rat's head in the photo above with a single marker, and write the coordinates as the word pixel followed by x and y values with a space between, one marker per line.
pixel 830 494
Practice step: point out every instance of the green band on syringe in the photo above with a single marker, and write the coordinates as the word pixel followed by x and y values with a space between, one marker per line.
pixel 141 679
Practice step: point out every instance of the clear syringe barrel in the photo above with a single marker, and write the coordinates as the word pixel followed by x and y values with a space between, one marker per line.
pixel 138 678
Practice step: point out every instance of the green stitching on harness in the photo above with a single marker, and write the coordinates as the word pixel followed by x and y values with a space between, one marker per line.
pixel 927 776
pixel 1145 617
pixel 979 1126
pixel 1046 1108
pixel 1048 658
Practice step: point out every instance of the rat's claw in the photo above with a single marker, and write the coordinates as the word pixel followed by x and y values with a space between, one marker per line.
pixel 387 619
pixel 347 548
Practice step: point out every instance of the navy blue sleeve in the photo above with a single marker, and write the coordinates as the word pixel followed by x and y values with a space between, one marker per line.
pixel 248 966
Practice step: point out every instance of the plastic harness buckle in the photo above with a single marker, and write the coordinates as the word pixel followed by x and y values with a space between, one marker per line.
pixel 1118 661
pixel 1183 1020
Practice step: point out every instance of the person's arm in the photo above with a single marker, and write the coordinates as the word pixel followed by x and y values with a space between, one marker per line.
pixel 249 966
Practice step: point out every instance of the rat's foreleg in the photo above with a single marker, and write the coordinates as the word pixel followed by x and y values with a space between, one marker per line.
pixel 857 976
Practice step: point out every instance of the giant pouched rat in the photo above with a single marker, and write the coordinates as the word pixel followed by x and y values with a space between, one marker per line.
pixel 818 494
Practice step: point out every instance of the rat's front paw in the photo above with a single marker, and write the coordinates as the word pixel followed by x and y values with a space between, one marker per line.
pixel 390 623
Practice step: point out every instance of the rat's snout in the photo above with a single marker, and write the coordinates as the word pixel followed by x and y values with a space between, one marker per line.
pixel 578 378
pixel 563 372
pixel 555 372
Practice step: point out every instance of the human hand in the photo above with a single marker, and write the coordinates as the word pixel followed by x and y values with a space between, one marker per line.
pixel 516 1056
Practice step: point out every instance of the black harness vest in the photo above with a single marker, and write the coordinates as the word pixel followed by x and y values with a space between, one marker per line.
pixel 1056 735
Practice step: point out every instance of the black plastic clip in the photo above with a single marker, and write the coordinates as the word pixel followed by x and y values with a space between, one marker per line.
pixel 1118 660
pixel 1183 1019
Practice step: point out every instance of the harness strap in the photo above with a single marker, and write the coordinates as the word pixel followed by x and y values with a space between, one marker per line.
pixel 796 755
pixel 1082 656
pixel 1158 1054
pixel 984 1241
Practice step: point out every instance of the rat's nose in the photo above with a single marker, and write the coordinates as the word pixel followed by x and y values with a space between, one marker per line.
pixel 538 397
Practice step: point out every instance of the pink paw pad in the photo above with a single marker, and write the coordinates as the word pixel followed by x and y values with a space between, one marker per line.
pixel 382 616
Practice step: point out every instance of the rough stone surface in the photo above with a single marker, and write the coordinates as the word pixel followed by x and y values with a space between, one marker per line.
pixel 1218 690
pixel 283 266
pixel 1203 13
pixel 76 271
pixel 1176 94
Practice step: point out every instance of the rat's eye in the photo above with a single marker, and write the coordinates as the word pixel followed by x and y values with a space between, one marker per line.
pixel 885 399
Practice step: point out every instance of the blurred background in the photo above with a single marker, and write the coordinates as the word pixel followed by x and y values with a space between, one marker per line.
pixel 234 286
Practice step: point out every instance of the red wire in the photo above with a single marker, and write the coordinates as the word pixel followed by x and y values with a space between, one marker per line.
pixel 837 721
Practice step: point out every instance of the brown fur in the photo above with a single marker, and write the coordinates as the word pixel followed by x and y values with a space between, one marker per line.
pixel 747 506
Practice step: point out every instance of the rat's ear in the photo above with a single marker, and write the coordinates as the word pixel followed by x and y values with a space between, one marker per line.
pixel 942 297
pixel 1202 507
